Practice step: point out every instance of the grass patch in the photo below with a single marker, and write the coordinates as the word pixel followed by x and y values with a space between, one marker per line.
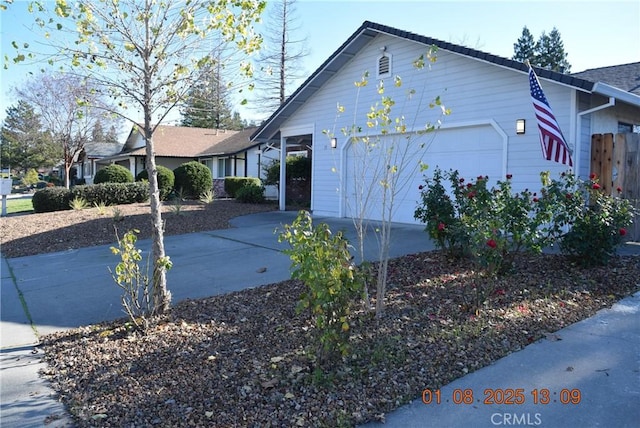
pixel 22 205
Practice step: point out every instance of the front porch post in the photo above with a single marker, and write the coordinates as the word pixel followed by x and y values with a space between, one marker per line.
pixel 282 192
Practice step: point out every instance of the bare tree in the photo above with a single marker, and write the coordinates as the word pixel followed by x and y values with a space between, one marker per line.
pixel 281 57
pixel 70 111
pixel 387 149
pixel 147 54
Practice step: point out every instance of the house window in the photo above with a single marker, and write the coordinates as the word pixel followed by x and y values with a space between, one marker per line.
pixel 628 128
pixel 224 167
pixel 384 65
pixel 208 163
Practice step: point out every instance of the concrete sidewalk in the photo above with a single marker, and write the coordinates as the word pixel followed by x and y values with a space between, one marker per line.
pixel 51 292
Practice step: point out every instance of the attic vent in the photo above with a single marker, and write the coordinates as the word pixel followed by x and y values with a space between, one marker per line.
pixel 384 65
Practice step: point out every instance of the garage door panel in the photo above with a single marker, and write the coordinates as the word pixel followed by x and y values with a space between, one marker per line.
pixel 472 151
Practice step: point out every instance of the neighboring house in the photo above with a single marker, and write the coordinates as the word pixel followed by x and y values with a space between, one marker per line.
pixel 487 94
pixel 226 153
pixel 87 165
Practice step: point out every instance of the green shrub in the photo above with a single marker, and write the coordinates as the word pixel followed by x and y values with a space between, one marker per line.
pixel 598 229
pixel 113 174
pixel 30 178
pixel 52 199
pixel 166 180
pixel 233 184
pixel 193 178
pixel 493 225
pixel 298 167
pixel 112 193
pixel 440 216
pixel 322 261
pixel 250 194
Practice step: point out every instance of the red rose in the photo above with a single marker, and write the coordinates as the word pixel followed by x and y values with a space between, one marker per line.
pixel 535 199
pixel 595 186
pixel 420 187
pixel 593 176
pixel 461 180
pixel 480 177
pixel 441 226
pixel 509 176
pixel 471 195
pixel 492 243
pixel 469 185
pixel 622 231
pixel 568 195
pixel 619 189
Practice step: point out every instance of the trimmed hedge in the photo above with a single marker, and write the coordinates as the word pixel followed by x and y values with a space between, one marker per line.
pixel 113 174
pixel 233 184
pixel 193 179
pixel 250 194
pixel 58 198
pixel 51 199
pixel 166 180
pixel 112 193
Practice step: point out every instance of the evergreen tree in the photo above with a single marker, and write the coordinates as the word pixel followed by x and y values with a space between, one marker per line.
pixel 550 52
pixel 23 143
pixel 207 104
pixel 525 48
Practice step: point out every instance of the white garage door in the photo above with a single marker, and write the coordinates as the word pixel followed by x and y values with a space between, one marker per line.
pixel 473 151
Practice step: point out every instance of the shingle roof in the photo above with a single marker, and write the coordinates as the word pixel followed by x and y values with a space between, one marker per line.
pixel 97 150
pixel 363 35
pixel 188 142
pixel 626 76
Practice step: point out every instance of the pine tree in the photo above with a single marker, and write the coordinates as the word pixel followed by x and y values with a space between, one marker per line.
pixel 23 143
pixel 550 52
pixel 207 104
pixel 524 48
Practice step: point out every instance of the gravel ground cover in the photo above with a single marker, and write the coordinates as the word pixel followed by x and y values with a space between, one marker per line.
pixel 242 359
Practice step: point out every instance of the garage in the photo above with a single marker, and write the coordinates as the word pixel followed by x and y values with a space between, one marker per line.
pixel 474 149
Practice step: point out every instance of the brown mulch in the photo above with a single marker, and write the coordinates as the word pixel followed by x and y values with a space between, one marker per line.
pixel 242 359
pixel 29 234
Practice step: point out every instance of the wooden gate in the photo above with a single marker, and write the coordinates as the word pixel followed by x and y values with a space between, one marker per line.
pixel 616 160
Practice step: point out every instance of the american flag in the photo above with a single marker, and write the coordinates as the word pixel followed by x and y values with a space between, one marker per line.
pixel 554 146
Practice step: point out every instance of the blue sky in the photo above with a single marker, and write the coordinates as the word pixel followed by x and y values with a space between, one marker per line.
pixel 595 33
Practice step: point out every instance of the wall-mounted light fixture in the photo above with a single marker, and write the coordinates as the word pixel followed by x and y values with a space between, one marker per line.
pixel 520 126
pixel 334 143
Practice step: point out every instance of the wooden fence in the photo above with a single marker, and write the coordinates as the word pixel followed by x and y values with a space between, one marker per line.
pixel 616 160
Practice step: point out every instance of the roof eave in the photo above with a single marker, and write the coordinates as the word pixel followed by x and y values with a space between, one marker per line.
pixel 611 91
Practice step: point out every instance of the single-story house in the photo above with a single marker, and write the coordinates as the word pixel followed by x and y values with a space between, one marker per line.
pixel 487 96
pixel 92 153
pixel 226 153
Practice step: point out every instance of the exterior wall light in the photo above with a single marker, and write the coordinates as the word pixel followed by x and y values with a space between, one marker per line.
pixel 334 143
pixel 520 126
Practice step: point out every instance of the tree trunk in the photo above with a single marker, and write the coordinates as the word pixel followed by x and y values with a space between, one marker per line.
pixel 161 296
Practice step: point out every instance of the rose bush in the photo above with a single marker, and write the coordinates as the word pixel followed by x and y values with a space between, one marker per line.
pixel 492 225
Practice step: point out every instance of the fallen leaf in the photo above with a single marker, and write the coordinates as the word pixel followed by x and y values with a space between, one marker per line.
pixel 261 270
pixel 208 414
pixel 289 395
pixel 276 359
